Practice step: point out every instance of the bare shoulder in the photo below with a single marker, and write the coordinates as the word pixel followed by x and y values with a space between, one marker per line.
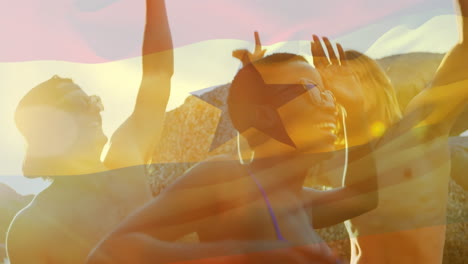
pixel 27 237
pixel 215 170
pixel 210 183
pixel 123 148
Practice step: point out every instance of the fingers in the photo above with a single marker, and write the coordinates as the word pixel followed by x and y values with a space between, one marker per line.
pixel 331 52
pixel 259 52
pixel 262 53
pixel 321 59
pixel 239 54
pixel 258 43
pixel 245 56
pixel 242 55
pixel 342 54
pixel 318 54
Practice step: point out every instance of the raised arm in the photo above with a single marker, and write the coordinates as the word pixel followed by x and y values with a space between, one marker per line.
pixel 135 140
pixel 359 192
pixel 446 97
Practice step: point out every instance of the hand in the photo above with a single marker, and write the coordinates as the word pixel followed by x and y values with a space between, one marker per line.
pixel 461 10
pixel 337 75
pixel 308 254
pixel 246 56
pixel 461 7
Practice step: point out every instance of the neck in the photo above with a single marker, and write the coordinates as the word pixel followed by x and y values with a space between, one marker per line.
pixel 81 167
pixel 273 149
pixel 83 175
pixel 294 180
pixel 51 167
pixel 96 182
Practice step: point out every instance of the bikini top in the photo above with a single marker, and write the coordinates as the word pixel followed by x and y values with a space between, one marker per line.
pixel 272 214
pixel 268 204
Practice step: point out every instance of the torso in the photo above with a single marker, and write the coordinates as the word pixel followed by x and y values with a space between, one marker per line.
pixel 75 220
pixel 408 226
pixel 252 221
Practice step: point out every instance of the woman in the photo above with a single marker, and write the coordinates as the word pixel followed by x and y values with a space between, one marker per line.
pixel 63 130
pixel 409 224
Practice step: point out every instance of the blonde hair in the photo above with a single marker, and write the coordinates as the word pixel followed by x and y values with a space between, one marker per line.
pixel 380 97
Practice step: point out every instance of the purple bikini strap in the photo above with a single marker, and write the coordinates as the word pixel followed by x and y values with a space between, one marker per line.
pixel 270 210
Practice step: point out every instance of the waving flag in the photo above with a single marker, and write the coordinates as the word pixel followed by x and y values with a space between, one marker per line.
pixel 92 31
pixel 98 44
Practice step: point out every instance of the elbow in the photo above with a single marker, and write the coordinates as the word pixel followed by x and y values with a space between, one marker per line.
pixel 170 72
pixel 365 202
pixel 370 195
pixel 371 201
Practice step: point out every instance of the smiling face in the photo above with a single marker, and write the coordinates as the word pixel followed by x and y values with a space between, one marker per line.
pixel 308 110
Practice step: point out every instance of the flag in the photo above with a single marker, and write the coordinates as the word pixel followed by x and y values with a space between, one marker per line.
pixel 93 31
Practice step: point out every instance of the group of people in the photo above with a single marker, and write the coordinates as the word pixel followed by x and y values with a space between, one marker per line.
pixel 294 116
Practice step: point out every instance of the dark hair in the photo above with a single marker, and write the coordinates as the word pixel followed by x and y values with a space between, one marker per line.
pixel 280 58
pixel 49 92
pixel 248 89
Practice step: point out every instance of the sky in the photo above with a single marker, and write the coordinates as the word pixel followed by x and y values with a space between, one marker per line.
pixel 204 31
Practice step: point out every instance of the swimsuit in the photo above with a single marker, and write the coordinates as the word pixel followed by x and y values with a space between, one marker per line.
pixel 272 214
pixel 270 209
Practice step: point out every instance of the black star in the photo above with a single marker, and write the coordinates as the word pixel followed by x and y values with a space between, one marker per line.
pixel 217 96
pixel 272 96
